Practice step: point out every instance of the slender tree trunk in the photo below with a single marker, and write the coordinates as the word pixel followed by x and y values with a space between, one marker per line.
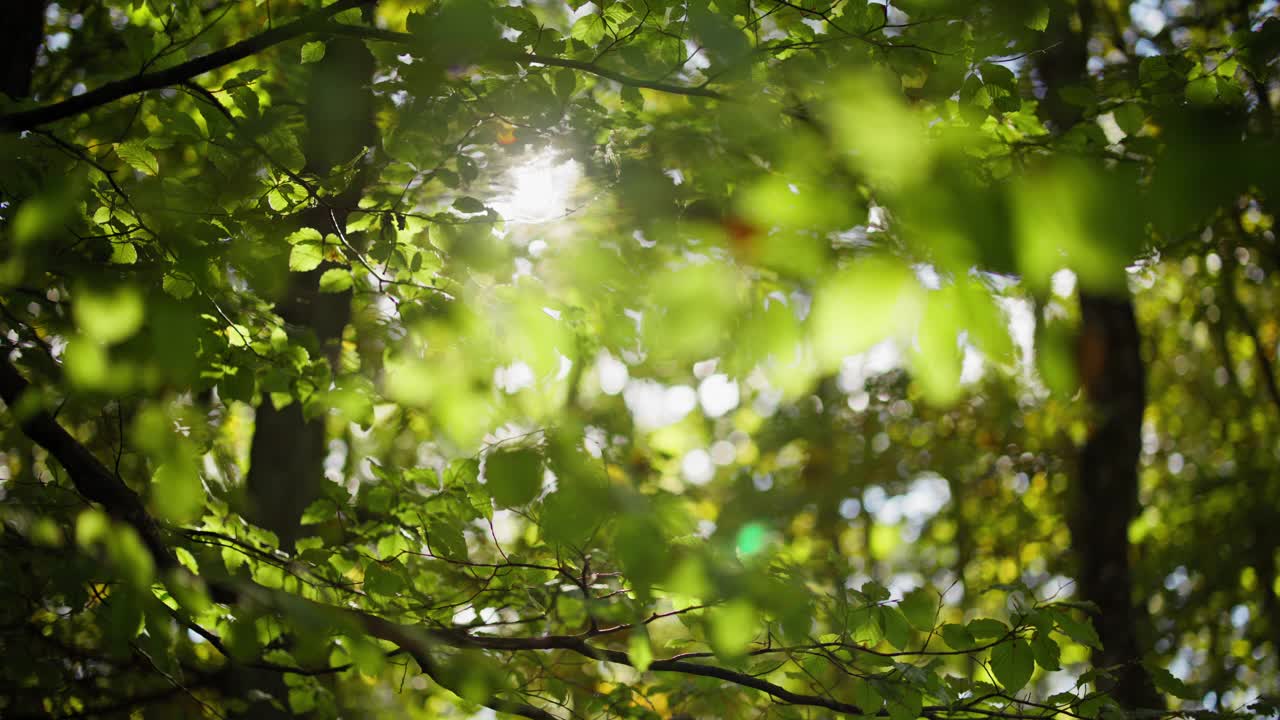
pixel 286 460
pixel 1105 492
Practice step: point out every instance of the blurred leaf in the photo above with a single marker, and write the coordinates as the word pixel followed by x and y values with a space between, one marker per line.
pixel 108 316
pixel 733 626
pixel 176 489
pixel 881 294
pixel 639 650
pixel 514 477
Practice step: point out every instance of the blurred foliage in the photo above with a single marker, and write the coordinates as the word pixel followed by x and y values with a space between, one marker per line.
pixel 706 359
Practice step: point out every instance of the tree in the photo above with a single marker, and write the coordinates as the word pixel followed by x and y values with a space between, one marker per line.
pixel 639 359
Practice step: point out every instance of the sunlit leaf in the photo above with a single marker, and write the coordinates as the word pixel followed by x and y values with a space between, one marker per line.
pixel 306 256
pixel 1012 662
pixel 138 157
pixel 874 300
pixel 313 51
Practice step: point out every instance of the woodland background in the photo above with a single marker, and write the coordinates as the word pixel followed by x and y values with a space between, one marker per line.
pixel 639 359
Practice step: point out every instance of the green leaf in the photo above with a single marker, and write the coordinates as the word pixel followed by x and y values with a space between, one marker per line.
pixel 131 557
pixel 302 700
pixel 276 200
pixel 138 157
pixel 958 637
pixel 639 650
pixel 305 235
pixel 1038 20
pixel 124 253
pixel 306 256
pixel 733 626
pixel 469 205
pixel 896 629
pixel 1048 654
pixel 1167 682
pixel 1130 118
pixel 1202 91
pixel 566 81
pixel 335 280
pixel 874 591
pixel 514 477
pixel 866 697
pixel 590 29
pixel 178 286
pixel 884 295
pixel 177 491
pixel 907 705
pixel 91 526
pixel 384 580
pixel 1012 662
pixel 920 608
pixel 987 628
pixel 1080 631
pixel 313 51
pixel 108 316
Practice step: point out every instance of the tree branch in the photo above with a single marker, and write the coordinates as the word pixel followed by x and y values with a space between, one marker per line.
pixel 29 119
pixel 93 480
pixel 391 36
pixel 317 22
pixel 89 475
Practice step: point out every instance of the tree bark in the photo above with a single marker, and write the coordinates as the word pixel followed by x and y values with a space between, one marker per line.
pixel 286 460
pixel 1105 491
pixel 20 37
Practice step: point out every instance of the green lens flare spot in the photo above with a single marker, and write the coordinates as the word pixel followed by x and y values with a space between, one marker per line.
pixel 752 538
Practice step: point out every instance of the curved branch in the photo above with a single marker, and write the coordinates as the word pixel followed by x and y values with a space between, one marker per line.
pixel 591 68
pixel 95 481
pixel 88 474
pixel 29 119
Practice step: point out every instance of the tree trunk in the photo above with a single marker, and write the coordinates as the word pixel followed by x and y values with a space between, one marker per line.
pixel 20 36
pixel 286 460
pixel 1105 490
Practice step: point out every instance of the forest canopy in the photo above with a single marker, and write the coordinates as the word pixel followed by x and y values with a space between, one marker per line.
pixel 644 359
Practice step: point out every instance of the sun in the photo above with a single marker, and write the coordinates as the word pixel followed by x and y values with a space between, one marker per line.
pixel 538 189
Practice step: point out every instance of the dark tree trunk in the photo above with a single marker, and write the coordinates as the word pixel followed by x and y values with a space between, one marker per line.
pixel 286 461
pixel 1105 490
pixel 20 37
